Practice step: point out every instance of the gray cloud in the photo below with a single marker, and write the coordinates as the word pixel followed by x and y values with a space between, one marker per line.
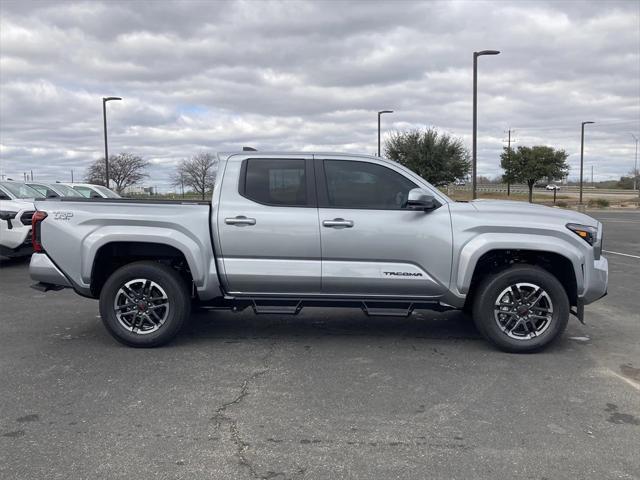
pixel 310 75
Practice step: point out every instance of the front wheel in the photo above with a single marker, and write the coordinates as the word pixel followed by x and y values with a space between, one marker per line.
pixel 144 304
pixel 521 309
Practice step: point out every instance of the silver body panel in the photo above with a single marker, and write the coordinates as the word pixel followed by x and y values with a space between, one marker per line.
pixel 391 252
pixel 288 252
pixel 279 253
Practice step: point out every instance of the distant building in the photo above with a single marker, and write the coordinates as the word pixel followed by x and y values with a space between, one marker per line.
pixel 139 190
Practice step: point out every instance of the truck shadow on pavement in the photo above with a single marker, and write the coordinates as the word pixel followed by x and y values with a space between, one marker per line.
pixel 448 328
pixel 316 323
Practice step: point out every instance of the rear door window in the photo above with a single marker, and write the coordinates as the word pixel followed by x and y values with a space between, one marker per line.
pixel 278 182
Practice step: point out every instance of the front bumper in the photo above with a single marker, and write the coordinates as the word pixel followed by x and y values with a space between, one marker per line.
pixel 596 281
pixel 42 269
pixel 23 250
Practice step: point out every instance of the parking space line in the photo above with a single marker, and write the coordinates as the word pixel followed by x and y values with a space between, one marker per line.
pixel 628 381
pixel 623 254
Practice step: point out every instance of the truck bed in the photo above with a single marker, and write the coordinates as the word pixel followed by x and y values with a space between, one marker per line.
pixel 75 231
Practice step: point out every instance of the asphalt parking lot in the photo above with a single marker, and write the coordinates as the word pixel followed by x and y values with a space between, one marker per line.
pixel 325 395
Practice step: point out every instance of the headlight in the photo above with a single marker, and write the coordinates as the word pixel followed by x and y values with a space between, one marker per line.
pixel 585 232
pixel 7 215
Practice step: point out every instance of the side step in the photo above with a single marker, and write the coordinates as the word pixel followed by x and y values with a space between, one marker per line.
pixel 46 287
pixel 280 307
pixel 387 309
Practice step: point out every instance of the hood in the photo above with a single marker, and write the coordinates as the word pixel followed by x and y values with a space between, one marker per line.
pixel 510 207
pixel 16 205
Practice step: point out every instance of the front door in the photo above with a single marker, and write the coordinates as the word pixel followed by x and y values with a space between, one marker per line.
pixel 371 245
pixel 268 226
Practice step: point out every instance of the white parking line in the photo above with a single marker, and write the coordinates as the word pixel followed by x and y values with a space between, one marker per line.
pixel 630 382
pixel 623 254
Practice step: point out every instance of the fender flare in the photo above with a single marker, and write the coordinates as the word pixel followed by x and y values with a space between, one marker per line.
pixel 199 256
pixel 487 242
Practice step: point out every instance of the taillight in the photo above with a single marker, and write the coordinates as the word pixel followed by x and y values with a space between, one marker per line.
pixel 38 217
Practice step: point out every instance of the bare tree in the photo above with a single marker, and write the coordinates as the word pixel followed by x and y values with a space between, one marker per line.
pixel 198 172
pixel 125 170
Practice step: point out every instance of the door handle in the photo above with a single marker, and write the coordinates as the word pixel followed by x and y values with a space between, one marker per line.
pixel 337 223
pixel 240 221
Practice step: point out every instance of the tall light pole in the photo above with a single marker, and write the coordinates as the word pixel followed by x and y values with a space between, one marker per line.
pixel 635 166
pixel 582 157
pixel 380 113
pixel 475 115
pixel 106 149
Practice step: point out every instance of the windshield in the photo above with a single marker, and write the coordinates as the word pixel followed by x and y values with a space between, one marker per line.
pixel 20 190
pixel 66 191
pixel 105 191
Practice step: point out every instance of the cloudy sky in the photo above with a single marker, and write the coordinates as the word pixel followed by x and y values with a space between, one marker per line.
pixel 295 75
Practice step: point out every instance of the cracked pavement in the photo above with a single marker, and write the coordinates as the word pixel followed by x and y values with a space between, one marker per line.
pixel 328 394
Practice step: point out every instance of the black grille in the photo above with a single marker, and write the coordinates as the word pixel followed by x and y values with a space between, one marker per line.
pixel 25 218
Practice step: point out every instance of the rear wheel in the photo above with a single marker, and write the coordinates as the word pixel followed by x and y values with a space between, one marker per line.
pixel 521 309
pixel 144 304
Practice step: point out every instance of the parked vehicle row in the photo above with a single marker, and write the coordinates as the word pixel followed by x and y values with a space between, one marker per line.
pixel 17 208
pixel 86 190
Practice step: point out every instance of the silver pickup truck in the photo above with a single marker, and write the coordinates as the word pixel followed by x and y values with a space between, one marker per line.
pixel 285 231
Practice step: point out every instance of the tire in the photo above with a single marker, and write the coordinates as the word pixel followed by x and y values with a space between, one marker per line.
pixel 502 314
pixel 152 300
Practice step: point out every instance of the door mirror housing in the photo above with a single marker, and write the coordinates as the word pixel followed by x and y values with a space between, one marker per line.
pixel 6 215
pixel 420 199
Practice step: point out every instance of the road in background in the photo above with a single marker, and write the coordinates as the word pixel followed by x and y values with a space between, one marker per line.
pixel 328 394
pixel 564 192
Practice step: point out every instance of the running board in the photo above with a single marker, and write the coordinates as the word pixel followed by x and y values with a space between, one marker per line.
pixel 293 306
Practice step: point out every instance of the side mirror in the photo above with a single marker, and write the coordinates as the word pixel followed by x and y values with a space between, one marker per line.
pixel 8 216
pixel 419 199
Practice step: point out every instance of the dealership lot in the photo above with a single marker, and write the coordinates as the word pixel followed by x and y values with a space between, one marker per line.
pixel 327 394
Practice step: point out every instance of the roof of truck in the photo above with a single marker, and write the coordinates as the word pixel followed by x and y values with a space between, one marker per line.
pixel 267 153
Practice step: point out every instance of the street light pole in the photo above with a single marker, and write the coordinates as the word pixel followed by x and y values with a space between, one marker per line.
pixel 106 148
pixel 635 167
pixel 475 116
pixel 380 113
pixel 582 157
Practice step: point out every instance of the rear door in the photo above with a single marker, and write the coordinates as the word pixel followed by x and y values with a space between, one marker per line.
pixel 371 244
pixel 268 226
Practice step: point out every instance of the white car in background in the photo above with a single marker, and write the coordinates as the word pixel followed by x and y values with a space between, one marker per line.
pixel 16 210
pixel 552 186
pixel 89 190
pixel 55 190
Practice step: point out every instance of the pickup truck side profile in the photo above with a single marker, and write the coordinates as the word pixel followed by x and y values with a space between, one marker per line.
pixel 289 230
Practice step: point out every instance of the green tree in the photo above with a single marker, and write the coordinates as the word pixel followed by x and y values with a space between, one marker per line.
pixel 531 164
pixel 437 157
pixel 625 183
